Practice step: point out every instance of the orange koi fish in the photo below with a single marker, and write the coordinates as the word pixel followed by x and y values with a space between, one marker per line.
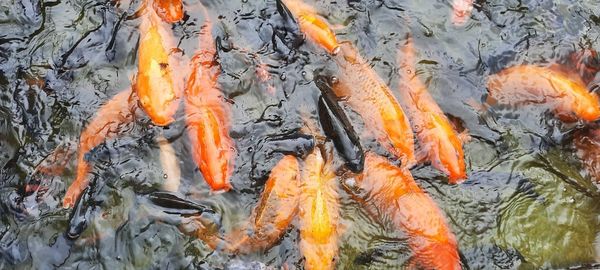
pixel 439 141
pixel 315 28
pixel 208 116
pixel 319 212
pixel 275 211
pixel 392 194
pixel 106 124
pixel 170 11
pixel 157 85
pixel 567 96
pixel 369 96
pixel 587 144
pixel 461 11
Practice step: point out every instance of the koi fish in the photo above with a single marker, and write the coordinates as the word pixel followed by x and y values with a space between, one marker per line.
pixel 587 144
pixel 107 124
pixel 461 11
pixel 274 213
pixel 390 193
pixel 207 117
pixel 372 99
pixel 318 212
pixel 439 141
pixel 312 25
pixel 170 11
pixel 337 126
pixel 157 85
pixel 567 96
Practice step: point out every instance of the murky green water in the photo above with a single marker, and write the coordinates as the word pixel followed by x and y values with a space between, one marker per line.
pixel 527 204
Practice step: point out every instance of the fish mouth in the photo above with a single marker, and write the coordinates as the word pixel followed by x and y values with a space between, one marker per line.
pixel 323 80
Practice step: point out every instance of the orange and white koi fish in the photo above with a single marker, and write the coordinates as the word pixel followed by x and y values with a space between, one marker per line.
pixel 170 11
pixel 277 207
pixel 106 124
pixel 438 139
pixel 587 144
pixel 318 212
pixel 208 116
pixel 391 193
pixel 461 11
pixel 566 95
pixel 372 99
pixel 157 84
pixel 311 24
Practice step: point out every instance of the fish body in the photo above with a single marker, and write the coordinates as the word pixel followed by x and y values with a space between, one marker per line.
pixel 208 117
pixel 106 124
pixel 313 26
pixel 437 138
pixel 318 213
pixel 566 95
pixel 169 11
pixel 390 193
pixel 367 94
pixel 277 207
pixel 338 128
pixel 157 84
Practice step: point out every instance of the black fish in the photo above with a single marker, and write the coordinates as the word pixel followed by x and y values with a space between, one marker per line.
pixel 177 205
pixel 338 128
pixel 80 215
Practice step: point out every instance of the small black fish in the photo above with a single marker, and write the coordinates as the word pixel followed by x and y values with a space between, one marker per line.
pixel 177 205
pixel 338 128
